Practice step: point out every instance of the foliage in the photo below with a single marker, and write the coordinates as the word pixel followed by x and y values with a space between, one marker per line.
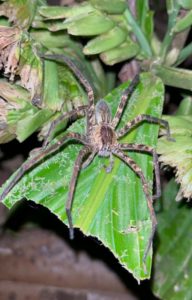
pixel 91 32
pixel 173 259
pixel 95 210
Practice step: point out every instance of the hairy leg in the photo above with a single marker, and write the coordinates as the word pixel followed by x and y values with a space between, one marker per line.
pixel 148 149
pixel 124 99
pixel 88 160
pixel 34 160
pixel 69 62
pixel 130 162
pixel 60 119
pixel 141 118
pixel 76 170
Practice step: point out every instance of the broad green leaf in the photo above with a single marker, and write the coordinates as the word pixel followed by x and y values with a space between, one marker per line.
pixel 111 207
pixel 173 260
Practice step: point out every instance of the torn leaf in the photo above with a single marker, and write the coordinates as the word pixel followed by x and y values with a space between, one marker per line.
pixel 178 154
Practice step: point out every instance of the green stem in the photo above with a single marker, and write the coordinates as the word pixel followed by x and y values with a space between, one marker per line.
pixel 172 12
pixel 138 33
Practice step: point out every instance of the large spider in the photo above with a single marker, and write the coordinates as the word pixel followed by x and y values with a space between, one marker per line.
pixel 100 139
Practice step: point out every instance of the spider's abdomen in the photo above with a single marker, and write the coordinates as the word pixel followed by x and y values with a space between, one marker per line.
pixel 104 139
pixel 107 135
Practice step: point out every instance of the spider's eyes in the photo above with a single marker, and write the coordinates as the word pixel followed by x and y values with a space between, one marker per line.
pixel 102 112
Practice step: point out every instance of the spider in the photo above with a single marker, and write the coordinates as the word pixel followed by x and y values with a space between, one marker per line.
pixel 100 139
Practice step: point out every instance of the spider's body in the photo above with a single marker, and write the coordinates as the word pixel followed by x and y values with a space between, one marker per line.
pixel 102 139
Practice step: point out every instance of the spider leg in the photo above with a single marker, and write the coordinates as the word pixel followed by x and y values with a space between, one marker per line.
pixel 88 160
pixel 130 162
pixel 124 98
pixel 82 79
pixel 152 151
pixel 36 158
pixel 60 119
pixel 76 170
pixel 110 166
pixel 141 118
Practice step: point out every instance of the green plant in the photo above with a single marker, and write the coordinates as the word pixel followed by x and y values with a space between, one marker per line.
pixel 104 206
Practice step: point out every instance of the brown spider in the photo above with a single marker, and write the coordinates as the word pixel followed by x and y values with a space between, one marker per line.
pixel 100 139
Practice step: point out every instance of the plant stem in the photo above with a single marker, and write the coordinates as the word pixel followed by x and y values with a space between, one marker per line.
pixel 172 9
pixel 138 33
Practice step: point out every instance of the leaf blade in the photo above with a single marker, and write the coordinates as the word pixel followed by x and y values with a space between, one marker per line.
pixel 112 206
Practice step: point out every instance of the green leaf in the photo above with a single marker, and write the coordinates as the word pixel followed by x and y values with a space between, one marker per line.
pixel 183 23
pixel 21 117
pixel 177 77
pixel 173 259
pixel 62 12
pixel 145 18
pixel 178 155
pixel 142 40
pixel 187 4
pixel 126 50
pixel 106 41
pixel 172 10
pixel 93 24
pixel 111 207
pixel 185 52
pixel 53 39
pixel 185 107
pixel 110 6
pixel 89 70
pixel 61 88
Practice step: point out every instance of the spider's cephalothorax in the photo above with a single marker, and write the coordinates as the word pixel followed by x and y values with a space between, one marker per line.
pixel 100 139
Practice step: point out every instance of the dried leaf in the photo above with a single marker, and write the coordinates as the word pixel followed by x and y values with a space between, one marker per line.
pixel 18 57
pixel 19 12
pixel 178 155
pixel 9 50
